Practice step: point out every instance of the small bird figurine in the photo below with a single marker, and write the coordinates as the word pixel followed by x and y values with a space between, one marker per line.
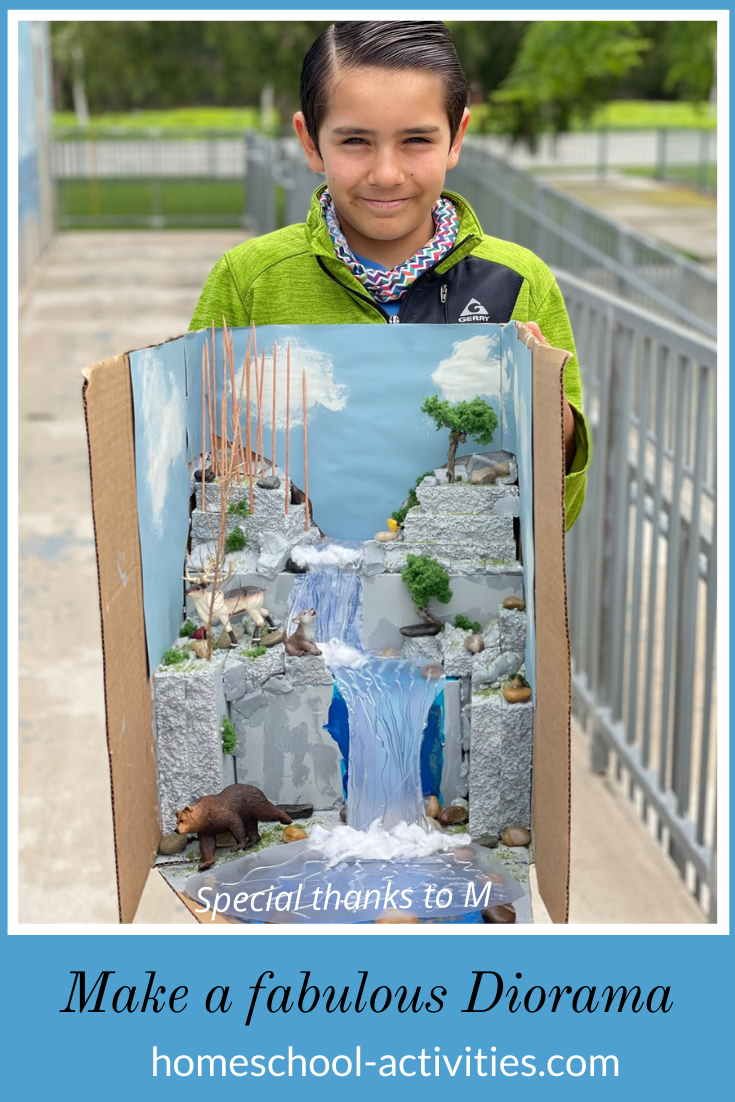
pixel 392 524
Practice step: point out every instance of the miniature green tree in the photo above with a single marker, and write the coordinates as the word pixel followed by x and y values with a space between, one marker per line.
pixel 475 419
pixel 426 579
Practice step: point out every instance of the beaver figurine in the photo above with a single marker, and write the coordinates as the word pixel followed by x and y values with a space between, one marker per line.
pixel 237 808
pixel 301 641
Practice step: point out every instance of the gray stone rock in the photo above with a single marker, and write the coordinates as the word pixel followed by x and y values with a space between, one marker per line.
pixel 502 464
pixel 465 499
pixel 268 482
pixel 421 630
pixel 491 670
pixel 454 531
pixel 243 675
pixel 422 648
pixel 188 708
pixel 500 764
pixel 278 685
pixel 373 558
pixel 274 553
pixel 308 669
pixel 457 660
pixel 513 624
pixel 247 706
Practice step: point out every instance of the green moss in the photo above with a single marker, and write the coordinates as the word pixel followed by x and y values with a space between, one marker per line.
pixel 255 652
pixel 239 508
pixel 426 579
pixel 187 629
pixel 411 501
pixel 465 624
pixel 236 540
pixel 175 657
pixel 229 736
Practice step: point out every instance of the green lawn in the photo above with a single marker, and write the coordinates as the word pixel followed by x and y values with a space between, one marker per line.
pixel 127 203
pixel 618 115
pixel 691 175
pixel 627 115
pixel 183 121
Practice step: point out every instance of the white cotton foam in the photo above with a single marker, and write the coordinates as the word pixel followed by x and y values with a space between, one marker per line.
pixel 337 653
pixel 405 840
pixel 333 554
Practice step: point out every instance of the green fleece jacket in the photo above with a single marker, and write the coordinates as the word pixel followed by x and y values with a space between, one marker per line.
pixel 292 277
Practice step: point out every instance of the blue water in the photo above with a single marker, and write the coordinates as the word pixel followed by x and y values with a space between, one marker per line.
pixel 388 701
pixel 337 597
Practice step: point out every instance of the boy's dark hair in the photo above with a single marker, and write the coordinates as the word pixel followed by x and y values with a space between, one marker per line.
pixel 386 45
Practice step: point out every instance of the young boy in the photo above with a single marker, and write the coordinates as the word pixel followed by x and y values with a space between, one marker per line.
pixel 383 116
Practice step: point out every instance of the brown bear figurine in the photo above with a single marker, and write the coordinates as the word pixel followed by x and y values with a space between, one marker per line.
pixel 238 808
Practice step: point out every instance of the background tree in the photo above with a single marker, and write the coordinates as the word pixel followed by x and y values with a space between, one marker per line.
pixel 474 419
pixel 561 70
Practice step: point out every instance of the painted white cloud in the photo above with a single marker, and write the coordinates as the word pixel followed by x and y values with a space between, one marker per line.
pixel 163 409
pixel 321 388
pixel 473 368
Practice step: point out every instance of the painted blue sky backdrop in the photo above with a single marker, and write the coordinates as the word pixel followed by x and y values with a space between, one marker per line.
pixel 368 439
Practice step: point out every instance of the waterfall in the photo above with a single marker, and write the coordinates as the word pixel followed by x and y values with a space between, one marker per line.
pixel 387 699
pixel 337 597
pixel 388 702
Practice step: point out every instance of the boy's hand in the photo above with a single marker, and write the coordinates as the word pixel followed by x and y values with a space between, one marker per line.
pixel 570 446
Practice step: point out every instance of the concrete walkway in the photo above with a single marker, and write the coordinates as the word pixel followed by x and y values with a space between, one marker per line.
pixel 96 295
pixel 679 217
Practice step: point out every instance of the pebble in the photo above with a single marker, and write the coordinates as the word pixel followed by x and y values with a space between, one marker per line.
pixel 452 815
pixel 293 834
pixel 200 648
pixel 489 841
pixel 270 638
pixel 172 843
pixel 474 642
pixel 483 477
pixel 515 602
pixel 499 913
pixel 385 537
pixel 516 694
pixel 515 836
pixel 209 475
pixel 397 917
pixel 269 482
pixel 417 631
pixel 432 807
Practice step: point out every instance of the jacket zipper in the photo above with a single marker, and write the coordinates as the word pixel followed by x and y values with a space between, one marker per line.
pixel 394 319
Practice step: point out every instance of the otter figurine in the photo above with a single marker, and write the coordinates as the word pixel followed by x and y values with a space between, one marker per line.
pixel 301 641
pixel 237 808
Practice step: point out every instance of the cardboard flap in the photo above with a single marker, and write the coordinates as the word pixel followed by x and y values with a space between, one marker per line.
pixel 108 410
pixel 551 814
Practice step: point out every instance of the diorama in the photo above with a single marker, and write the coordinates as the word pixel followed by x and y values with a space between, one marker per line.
pixel 336 580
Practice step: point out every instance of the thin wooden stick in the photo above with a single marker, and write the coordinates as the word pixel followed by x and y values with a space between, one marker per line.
pixel 304 407
pixel 248 440
pixel 287 490
pixel 273 411
pixel 213 369
pixel 210 406
pixel 261 425
pixel 202 403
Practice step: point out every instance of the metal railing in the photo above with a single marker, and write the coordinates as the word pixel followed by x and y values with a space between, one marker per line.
pixel 686 156
pixel 643 557
pixel 568 235
pixel 149 178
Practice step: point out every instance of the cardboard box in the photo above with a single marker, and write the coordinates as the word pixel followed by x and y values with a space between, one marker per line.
pixel 110 411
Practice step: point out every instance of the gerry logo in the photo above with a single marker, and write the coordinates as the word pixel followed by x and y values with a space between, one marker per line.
pixel 474 311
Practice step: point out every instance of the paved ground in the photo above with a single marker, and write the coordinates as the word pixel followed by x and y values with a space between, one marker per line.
pixel 95 295
pixel 675 216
